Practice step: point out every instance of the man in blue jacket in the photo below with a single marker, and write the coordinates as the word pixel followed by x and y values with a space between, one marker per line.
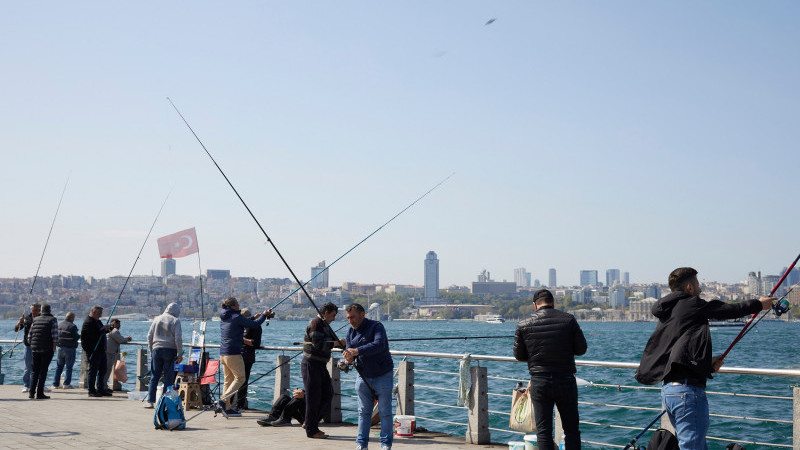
pixel 367 346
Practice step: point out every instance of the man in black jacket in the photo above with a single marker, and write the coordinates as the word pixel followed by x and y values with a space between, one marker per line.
pixel 549 340
pixel 678 353
pixel 42 338
pixel 93 341
pixel 24 324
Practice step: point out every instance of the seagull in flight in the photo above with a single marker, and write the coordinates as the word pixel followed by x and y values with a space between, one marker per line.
pixel 490 21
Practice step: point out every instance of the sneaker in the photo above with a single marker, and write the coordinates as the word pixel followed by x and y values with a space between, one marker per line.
pixel 46 389
pixel 55 387
pixel 358 447
pixel 25 389
pixel 149 406
pixel 385 447
pixel 233 413
pixel 67 386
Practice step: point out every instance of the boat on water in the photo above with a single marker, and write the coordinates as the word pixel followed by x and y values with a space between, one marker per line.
pixel 490 318
pixel 726 323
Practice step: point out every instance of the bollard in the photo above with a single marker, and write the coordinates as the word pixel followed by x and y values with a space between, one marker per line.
pixel 405 388
pixel 478 418
pixel 796 417
pixel 334 415
pixel 141 369
pixel 281 377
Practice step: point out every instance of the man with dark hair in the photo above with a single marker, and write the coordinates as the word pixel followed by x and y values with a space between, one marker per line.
pixel 24 324
pixel 316 379
pixel 678 353
pixel 93 342
pixel 368 348
pixel 67 343
pixel 42 337
pixel 113 341
pixel 549 340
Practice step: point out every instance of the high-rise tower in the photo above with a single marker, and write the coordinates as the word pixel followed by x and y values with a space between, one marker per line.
pixel 431 275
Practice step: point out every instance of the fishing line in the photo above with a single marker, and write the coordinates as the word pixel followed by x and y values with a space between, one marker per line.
pixel 776 311
pixel 134 265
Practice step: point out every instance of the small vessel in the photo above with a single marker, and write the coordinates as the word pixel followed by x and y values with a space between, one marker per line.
pixel 725 323
pixel 490 318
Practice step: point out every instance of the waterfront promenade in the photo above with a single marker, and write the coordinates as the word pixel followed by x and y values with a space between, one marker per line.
pixel 70 419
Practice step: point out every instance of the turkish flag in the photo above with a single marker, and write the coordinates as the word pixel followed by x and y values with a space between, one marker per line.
pixel 182 243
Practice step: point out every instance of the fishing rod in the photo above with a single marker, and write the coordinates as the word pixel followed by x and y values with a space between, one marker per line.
pixel 780 307
pixel 47 241
pixel 430 339
pixel 134 265
pixel 362 241
pixel 264 232
pixel 747 325
pixel 633 442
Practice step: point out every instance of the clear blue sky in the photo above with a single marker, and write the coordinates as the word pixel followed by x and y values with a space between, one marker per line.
pixel 628 135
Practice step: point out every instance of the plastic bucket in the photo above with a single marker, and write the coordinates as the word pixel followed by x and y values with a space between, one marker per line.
pixel 516 445
pixel 404 425
pixel 530 442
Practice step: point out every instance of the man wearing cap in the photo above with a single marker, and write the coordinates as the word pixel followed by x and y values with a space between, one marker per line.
pixel 549 340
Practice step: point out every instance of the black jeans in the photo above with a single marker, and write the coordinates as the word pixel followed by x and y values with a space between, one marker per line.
pixel 241 394
pixel 548 389
pixel 41 362
pixel 97 371
pixel 319 391
pixel 288 408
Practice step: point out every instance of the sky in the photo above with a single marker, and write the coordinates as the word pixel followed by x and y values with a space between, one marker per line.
pixel 581 136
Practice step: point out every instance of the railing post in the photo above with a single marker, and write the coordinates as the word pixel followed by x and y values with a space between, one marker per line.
pixel 405 388
pixel 478 418
pixel 2 377
pixel 559 429
pixel 796 417
pixel 141 369
pixel 281 377
pixel 84 370
pixel 334 415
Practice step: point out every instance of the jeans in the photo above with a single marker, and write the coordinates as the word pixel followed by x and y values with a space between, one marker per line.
pixel 687 407
pixel 26 377
pixel 319 392
pixel 382 384
pixel 97 369
pixel 65 359
pixel 162 362
pixel 548 389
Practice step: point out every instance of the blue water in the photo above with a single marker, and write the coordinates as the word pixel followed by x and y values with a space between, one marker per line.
pixel 770 345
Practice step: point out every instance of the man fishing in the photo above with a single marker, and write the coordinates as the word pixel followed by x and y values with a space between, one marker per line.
pixel 678 353
pixel 93 341
pixel 24 324
pixel 316 379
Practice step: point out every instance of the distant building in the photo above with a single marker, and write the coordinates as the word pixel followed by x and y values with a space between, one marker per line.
pixel 582 296
pixel 494 287
pixel 626 278
pixel 652 291
pixel 612 275
pixel 167 268
pixel 754 283
pixel 551 278
pixel 616 297
pixel 522 277
pixel 640 309
pixel 320 281
pixel 768 282
pixel 588 278
pixel 484 276
pixel 431 276
pixel 218 275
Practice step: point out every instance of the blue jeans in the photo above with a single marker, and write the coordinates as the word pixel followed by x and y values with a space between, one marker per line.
pixel 66 358
pixel 382 384
pixel 687 407
pixel 161 363
pixel 26 377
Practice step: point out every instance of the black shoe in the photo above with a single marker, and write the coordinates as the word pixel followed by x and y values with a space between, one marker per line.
pixel 42 397
pixel 95 394
pixel 267 421
pixel 30 396
pixel 106 393
pixel 281 423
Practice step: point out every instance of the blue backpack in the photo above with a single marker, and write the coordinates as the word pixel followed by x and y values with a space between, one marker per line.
pixel 168 413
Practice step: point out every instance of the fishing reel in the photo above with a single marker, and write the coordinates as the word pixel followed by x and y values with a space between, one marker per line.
pixel 345 367
pixel 781 307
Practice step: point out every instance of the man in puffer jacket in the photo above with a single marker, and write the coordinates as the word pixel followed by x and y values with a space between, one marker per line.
pixel 43 338
pixel 166 349
pixel 549 340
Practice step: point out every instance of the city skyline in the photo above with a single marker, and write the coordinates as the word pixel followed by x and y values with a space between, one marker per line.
pixel 598 136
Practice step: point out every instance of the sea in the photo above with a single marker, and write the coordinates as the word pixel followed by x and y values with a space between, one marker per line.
pixel 772 344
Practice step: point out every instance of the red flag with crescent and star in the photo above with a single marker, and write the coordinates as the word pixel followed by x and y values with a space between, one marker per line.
pixel 177 245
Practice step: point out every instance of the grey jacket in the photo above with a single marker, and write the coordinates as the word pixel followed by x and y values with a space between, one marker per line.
pixel 165 331
pixel 115 338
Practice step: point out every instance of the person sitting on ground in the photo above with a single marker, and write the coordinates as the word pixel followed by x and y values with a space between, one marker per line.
pixel 287 407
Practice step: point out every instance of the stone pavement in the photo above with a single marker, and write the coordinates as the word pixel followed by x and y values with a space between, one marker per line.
pixel 70 419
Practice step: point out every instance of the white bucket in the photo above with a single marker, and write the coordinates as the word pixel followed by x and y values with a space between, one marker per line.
pixel 159 391
pixel 530 442
pixel 404 425
pixel 516 445
pixel 137 395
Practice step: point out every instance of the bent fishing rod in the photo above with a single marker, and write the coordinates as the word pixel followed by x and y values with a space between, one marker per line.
pixel 134 265
pixel 41 258
pixel 363 240
pixel 431 339
pixel 747 325
pixel 264 232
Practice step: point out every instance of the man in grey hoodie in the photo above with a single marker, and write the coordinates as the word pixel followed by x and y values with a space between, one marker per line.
pixel 166 349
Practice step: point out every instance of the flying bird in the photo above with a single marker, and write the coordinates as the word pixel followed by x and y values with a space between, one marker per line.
pixel 490 21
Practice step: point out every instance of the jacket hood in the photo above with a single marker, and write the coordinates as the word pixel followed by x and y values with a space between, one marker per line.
pixel 173 309
pixel 663 308
pixel 227 313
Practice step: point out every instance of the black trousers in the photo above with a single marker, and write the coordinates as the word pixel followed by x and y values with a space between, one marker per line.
pixel 97 371
pixel 41 362
pixel 319 392
pixel 288 408
pixel 561 390
pixel 241 394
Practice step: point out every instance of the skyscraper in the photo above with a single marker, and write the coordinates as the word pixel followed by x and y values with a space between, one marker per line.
pixel 551 281
pixel 167 268
pixel 626 278
pixel 522 277
pixel 588 278
pixel 322 280
pixel 431 276
pixel 612 275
